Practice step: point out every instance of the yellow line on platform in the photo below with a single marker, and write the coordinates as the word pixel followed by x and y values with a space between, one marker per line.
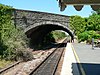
pixel 77 58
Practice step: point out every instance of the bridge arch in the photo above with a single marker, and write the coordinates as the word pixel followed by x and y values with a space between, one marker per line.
pixel 37 31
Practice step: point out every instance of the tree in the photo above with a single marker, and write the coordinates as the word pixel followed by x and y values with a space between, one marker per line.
pixel 86 28
pixel 77 24
pixel 93 22
pixel 5 26
pixel 12 39
pixel 88 35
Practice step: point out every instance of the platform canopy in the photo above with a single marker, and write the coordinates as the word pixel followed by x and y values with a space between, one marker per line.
pixel 78 4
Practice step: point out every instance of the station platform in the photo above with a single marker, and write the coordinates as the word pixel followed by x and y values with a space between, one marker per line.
pixel 81 59
pixel 88 58
pixel 69 59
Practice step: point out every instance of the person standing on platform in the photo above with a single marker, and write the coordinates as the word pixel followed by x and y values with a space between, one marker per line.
pixel 92 43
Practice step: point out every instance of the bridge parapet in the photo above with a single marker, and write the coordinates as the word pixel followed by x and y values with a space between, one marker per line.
pixel 25 18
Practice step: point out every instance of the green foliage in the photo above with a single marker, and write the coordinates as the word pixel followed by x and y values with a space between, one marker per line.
pixel 93 22
pixel 52 37
pixel 86 28
pixel 5 26
pixel 58 35
pixel 83 36
pixel 4 63
pixel 12 40
pixel 88 35
pixel 77 24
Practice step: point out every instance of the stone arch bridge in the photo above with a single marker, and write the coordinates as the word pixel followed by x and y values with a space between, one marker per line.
pixel 37 24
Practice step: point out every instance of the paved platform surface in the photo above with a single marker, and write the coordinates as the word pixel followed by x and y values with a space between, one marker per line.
pixel 68 67
pixel 88 59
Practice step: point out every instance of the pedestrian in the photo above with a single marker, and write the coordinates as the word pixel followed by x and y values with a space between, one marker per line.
pixel 92 43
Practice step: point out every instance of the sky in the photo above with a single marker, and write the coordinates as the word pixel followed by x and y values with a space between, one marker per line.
pixel 50 6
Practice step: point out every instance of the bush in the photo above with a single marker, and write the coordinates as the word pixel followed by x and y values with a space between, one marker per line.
pixel 24 55
pixel 58 35
pixel 83 36
pixel 97 36
pixel 88 35
pixel 13 41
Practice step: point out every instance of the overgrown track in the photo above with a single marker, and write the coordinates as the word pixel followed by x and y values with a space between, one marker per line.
pixel 9 67
pixel 49 65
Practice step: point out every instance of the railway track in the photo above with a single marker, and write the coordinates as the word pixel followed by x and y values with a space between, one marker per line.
pixel 9 67
pixel 49 65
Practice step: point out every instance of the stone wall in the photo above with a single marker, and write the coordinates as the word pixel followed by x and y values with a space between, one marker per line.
pixel 25 18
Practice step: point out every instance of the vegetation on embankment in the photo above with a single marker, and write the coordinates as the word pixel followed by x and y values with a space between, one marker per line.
pixel 13 42
pixel 86 28
pixel 58 35
pixel 5 63
pixel 54 36
pixel 51 38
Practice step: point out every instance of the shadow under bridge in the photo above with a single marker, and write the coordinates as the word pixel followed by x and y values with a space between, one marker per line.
pixel 36 33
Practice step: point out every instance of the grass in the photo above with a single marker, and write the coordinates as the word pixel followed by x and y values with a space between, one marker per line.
pixel 4 63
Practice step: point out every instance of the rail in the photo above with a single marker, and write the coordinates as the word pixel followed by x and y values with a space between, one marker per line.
pixel 49 65
pixel 7 68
